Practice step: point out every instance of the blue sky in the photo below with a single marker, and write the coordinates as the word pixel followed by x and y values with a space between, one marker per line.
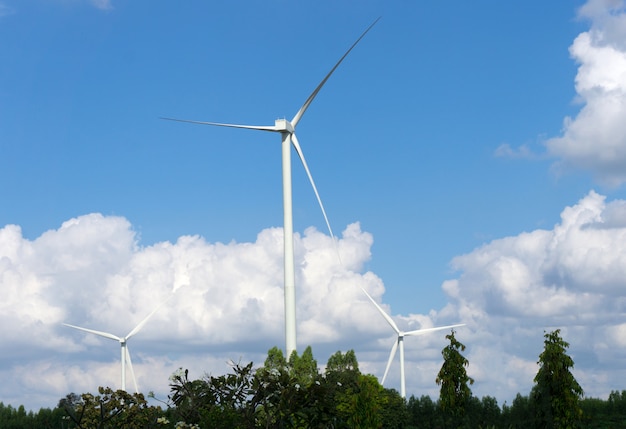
pixel 441 134
pixel 402 138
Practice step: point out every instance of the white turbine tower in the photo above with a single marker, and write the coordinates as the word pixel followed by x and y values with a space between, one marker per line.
pixel 125 355
pixel 288 137
pixel 400 342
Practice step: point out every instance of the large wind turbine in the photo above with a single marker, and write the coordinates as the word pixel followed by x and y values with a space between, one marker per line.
pixel 400 342
pixel 125 355
pixel 288 137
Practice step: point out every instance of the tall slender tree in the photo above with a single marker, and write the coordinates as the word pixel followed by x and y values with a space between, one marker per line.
pixel 556 393
pixel 453 379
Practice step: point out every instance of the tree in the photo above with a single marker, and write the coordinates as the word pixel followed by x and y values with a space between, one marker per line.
pixel 358 399
pixel 110 409
pixel 490 411
pixel 556 393
pixel 394 412
pixel 226 401
pixel 340 362
pixel 359 404
pixel 231 406
pixel 188 397
pixel 453 378
pixel 288 394
pixel 275 361
pixel 520 414
pixel 303 368
pixel 422 412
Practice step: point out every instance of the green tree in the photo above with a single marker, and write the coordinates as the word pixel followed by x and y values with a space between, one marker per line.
pixel 341 363
pixel 394 411
pixel 617 403
pixel 275 361
pixel 288 394
pixel 231 403
pixel 111 410
pixel 359 403
pixel 226 401
pixel 556 393
pixel 520 414
pixel 490 412
pixel 600 414
pixel 453 379
pixel 188 397
pixel 293 394
pixel 303 368
pixel 422 412
pixel 358 399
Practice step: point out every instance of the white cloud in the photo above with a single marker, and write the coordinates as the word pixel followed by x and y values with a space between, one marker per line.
pixel 228 305
pixel 102 4
pixel 521 152
pixel 571 277
pixel 595 140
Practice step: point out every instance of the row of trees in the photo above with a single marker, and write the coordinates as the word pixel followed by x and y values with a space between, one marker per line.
pixel 293 393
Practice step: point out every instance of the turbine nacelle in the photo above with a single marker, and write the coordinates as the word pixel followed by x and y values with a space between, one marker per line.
pixel 283 126
pixel 286 129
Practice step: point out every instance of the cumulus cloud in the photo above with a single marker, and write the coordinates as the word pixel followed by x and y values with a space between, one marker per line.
pixel 571 277
pixel 595 140
pixel 227 305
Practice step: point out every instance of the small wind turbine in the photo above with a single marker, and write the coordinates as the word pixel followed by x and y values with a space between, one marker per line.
pixel 125 355
pixel 400 341
pixel 287 131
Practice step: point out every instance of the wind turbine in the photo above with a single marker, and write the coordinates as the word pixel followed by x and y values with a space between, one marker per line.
pixel 125 355
pixel 400 342
pixel 288 137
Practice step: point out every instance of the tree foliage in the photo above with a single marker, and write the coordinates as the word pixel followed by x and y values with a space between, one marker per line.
pixel 216 402
pixel 422 413
pixel 109 409
pixel 282 394
pixel 453 379
pixel 342 363
pixel 556 393
pixel 295 394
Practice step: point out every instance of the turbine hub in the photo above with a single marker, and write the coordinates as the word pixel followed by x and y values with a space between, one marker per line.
pixel 283 125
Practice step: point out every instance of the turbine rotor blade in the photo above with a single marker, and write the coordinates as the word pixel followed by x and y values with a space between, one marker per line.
pixel 143 322
pixel 296 145
pixel 92 331
pixel 391 356
pixel 385 315
pixel 427 330
pixel 218 124
pixel 308 101
pixel 132 371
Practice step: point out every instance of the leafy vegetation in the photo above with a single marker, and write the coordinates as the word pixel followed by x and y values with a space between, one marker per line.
pixel 556 393
pixel 455 393
pixel 293 393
